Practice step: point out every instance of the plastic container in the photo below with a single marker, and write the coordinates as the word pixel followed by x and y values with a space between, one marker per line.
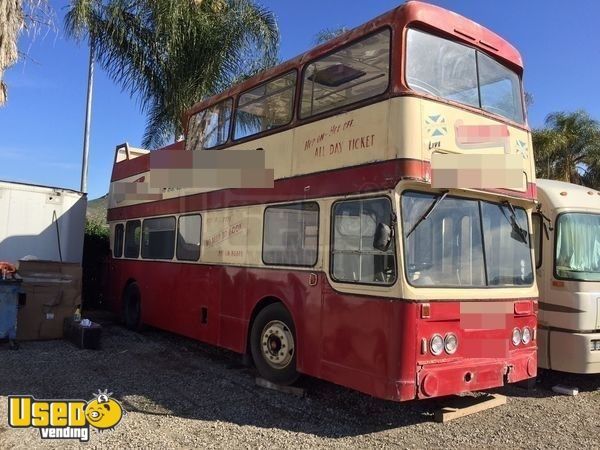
pixel 9 301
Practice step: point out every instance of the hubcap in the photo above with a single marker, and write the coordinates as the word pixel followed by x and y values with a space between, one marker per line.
pixel 277 344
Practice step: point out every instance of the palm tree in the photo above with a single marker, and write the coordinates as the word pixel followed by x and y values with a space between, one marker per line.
pixel 568 148
pixel 11 22
pixel 16 16
pixel 329 33
pixel 171 54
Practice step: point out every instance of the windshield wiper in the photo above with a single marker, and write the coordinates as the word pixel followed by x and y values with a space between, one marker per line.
pixel 521 232
pixel 427 213
pixel 546 222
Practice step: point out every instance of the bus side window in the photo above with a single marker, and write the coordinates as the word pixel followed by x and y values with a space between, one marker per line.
pixel 158 238
pixel 290 234
pixel 537 238
pixel 188 237
pixel 132 238
pixel 354 257
pixel 118 242
pixel 210 127
pixel 353 73
pixel 266 107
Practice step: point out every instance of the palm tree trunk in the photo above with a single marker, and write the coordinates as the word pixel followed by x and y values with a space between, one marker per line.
pixel 11 21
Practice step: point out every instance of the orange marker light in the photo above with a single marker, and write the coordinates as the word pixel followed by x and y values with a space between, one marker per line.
pixel 425 311
pixel 557 283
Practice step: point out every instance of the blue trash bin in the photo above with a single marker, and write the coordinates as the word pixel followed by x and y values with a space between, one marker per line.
pixel 9 300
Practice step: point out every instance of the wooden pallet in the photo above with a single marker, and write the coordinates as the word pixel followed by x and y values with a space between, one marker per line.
pixel 472 405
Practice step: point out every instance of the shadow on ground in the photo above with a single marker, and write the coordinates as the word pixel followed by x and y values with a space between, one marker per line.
pixel 159 373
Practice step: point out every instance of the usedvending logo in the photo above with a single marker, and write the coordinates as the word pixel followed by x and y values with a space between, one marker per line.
pixel 65 419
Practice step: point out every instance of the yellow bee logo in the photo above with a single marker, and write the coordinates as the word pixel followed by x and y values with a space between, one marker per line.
pixel 103 412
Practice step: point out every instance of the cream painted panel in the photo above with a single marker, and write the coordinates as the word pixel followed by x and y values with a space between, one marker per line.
pixel 255 234
pixel 278 152
pixel 349 139
pixel 224 236
pixel 405 128
pixel 449 129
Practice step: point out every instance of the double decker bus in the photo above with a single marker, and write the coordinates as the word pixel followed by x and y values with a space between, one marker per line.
pixel 352 267
pixel 567 255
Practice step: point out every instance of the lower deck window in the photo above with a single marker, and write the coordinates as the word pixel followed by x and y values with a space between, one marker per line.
pixel 354 257
pixel 118 241
pixel 132 239
pixel 158 238
pixel 290 234
pixel 188 237
pixel 461 242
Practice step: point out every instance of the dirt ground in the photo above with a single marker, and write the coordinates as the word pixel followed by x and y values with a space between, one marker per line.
pixel 181 393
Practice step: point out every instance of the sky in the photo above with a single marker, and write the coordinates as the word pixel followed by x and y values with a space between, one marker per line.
pixel 41 126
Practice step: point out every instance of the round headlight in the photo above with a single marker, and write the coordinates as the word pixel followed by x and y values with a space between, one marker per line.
pixel 516 336
pixel 450 343
pixel 526 338
pixel 436 344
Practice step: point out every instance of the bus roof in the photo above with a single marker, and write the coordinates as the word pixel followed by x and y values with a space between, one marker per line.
pixel 422 15
pixel 567 195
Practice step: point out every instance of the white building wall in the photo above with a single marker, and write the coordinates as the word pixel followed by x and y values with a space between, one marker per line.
pixel 29 216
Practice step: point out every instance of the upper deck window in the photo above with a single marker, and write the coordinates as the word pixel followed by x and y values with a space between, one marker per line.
pixel 456 72
pixel 265 107
pixel 209 127
pixel 353 73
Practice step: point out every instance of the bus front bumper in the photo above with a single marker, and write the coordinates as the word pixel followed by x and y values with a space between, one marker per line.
pixel 436 380
pixel 572 352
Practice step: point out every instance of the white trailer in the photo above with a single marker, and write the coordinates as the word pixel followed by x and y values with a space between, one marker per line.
pixel 42 221
pixel 567 250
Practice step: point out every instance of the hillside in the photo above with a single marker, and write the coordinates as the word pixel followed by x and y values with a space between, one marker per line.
pixel 96 209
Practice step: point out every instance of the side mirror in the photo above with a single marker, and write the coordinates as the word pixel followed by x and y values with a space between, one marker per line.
pixel 383 237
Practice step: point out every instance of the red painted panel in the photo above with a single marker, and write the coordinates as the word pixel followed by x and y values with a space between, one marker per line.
pixel 365 343
pixel 376 176
pixel 366 178
pixel 437 380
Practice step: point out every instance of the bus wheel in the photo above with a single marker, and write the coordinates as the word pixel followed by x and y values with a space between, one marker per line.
pixel 132 305
pixel 273 344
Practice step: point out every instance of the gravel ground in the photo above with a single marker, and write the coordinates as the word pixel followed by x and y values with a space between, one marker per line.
pixel 181 393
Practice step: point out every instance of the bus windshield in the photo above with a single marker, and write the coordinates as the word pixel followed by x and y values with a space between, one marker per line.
pixel 465 243
pixel 456 72
pixel 578 246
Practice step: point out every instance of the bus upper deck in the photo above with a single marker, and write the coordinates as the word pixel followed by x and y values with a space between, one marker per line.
pixel 382 99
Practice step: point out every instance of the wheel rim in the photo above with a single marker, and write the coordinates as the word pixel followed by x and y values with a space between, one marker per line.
pixel 277 344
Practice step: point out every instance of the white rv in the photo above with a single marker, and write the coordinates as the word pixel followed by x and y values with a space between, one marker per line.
pixel 42 221
pixel 567 249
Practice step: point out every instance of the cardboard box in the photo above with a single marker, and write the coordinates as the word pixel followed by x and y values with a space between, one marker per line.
pixel 53 292
pixel 53 272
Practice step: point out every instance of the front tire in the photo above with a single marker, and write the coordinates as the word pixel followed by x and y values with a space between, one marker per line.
pixel 273 345
pixel 132 307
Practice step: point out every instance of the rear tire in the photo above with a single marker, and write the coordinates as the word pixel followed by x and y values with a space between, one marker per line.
pixel 132 307
pixel 273 345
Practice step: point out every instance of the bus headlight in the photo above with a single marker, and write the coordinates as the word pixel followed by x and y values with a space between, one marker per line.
pixel 526 338
pixel 450 343
pixel 516 337
pixel 436 344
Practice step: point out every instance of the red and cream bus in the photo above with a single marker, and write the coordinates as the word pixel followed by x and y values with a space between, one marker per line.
pixel 351 268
